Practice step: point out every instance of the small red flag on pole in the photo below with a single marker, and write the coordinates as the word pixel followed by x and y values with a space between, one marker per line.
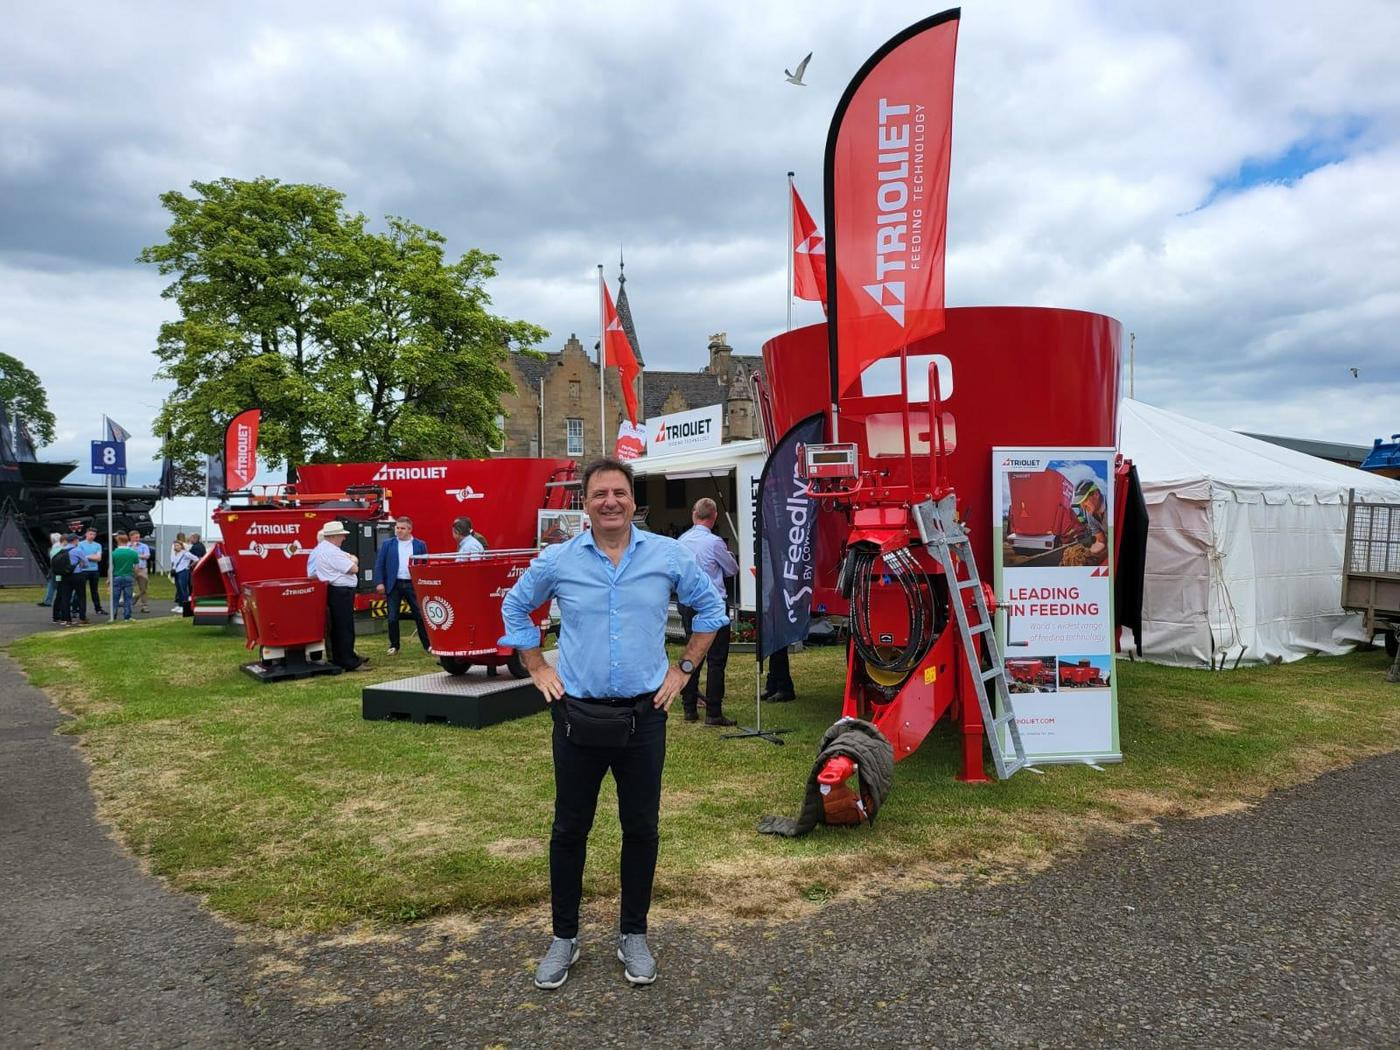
pixel 617 353
pixel 808 254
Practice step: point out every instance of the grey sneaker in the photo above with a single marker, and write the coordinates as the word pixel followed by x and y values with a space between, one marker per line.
pixel 638 966
pixel 554 967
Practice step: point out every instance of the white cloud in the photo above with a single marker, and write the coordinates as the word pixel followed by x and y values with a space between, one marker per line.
pixel 1094 145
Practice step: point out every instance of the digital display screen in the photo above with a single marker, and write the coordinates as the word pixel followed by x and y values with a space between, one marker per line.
pixel 829 457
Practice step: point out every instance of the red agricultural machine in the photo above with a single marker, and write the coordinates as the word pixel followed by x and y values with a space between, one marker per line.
pixel 460 596
pixel 903 484
pixel 1040 515
pixel 269 531
pixel 1081 675
pixel 1031 672
pixel 260 568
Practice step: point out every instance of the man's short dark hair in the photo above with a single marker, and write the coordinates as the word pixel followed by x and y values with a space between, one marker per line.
pixel 607 463
pixel 462 527
pixel 404 519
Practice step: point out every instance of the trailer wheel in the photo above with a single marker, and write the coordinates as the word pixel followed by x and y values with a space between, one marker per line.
pixel 515 665
pixel 454 664
pixel 1392 644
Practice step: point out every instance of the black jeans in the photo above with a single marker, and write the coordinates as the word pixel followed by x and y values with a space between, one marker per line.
pixel 94 585
pixel 69 601
pixel 715 661
pixel 402 591
pixel 340 616
pixel 578 776
pixel 779 678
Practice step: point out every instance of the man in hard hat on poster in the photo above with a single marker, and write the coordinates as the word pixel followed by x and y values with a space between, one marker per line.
pixel 1093 511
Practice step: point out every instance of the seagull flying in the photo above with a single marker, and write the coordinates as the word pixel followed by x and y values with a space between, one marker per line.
pixel 1355 372
pixel 796 78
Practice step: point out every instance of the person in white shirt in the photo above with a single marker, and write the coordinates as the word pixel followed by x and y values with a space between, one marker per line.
pixel 467 543
pixel 311 556
pixel 339 571
pixel 391 579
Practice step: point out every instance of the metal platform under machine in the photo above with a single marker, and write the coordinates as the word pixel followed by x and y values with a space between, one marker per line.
pixel 472 699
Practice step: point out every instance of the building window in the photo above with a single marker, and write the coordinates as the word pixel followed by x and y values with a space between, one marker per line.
pixel 499 445
pixel 575 389
pixel 574 433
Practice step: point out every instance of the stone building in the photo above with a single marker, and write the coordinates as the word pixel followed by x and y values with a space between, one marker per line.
pixel 554 409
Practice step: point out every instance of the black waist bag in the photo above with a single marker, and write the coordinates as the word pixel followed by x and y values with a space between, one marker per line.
pixel 589 723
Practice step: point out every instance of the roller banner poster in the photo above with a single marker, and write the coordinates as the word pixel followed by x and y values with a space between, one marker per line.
pixel 888 154
pixel 1052 519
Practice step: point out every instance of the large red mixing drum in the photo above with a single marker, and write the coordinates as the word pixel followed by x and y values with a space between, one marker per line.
pixel 1009 375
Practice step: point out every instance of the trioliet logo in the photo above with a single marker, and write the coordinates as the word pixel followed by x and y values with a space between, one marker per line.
pixel 264 528
pixel 392 472
pixel 892 223
pixel 688 428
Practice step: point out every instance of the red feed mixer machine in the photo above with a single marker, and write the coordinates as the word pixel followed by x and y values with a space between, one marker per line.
pixel 269 532
pixel 911 500
pixel 460 596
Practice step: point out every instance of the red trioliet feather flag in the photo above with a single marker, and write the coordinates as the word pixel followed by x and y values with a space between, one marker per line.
pixel 241 450
pixel 887 159
pixel 617 351
pixel 808 254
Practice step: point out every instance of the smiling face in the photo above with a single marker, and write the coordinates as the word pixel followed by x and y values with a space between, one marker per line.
pixel 610 503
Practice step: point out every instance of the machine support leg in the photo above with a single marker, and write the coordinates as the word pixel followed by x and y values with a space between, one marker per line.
pixel 973 736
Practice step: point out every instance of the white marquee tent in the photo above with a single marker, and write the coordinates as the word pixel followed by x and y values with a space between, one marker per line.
pixel 1244 551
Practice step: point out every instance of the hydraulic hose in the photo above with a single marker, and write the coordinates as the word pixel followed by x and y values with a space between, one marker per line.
pixel 904 570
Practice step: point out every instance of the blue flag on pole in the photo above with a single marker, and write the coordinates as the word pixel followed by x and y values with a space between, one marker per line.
pixel 117 432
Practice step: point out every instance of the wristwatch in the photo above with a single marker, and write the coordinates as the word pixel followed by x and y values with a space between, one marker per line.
pixel 687 666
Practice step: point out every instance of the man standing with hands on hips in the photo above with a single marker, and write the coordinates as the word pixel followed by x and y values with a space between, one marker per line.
pixel 609 694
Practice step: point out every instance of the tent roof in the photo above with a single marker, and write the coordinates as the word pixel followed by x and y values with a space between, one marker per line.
pixel 1195 460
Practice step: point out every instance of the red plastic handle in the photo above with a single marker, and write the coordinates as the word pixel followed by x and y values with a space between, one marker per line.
pixel 836 771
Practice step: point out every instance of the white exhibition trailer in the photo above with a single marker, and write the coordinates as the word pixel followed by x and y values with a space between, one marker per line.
pixel 668 486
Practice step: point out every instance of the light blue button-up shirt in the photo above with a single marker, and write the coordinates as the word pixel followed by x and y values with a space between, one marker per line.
pixel 612 633
pixel 711 554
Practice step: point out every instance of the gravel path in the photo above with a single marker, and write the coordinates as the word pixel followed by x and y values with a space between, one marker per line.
pixel 1279 926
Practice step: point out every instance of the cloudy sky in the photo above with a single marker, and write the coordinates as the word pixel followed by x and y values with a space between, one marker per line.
pixel 1219 177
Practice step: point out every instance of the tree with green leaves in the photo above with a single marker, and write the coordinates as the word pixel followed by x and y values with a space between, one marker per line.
pixel 23 396
pixel 355 344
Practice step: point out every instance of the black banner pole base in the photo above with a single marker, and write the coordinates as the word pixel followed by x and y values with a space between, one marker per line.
pixel 745 733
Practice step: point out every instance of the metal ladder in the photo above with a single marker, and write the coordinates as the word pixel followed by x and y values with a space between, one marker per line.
pixel 945 539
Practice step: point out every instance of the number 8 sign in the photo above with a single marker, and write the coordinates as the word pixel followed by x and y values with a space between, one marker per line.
pixel 109 457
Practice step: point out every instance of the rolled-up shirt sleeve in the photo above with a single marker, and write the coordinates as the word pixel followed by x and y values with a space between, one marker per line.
pixel 534 587
pixel 693 588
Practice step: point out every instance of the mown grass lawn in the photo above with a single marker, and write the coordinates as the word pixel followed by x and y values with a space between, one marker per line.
pixel 284 808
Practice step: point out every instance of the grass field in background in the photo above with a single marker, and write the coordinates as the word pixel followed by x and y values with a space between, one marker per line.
pixel 284 808
pixel 161 586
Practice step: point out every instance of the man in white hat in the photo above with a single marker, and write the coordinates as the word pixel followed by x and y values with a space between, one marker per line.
pixel 339 571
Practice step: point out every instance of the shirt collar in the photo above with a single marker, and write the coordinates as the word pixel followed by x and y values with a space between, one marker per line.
pixel 634 537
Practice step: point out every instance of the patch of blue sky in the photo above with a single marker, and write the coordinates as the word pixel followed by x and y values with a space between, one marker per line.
pixel 1301 157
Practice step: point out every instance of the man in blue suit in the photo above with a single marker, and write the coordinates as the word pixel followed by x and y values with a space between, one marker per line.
pixel 391 579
